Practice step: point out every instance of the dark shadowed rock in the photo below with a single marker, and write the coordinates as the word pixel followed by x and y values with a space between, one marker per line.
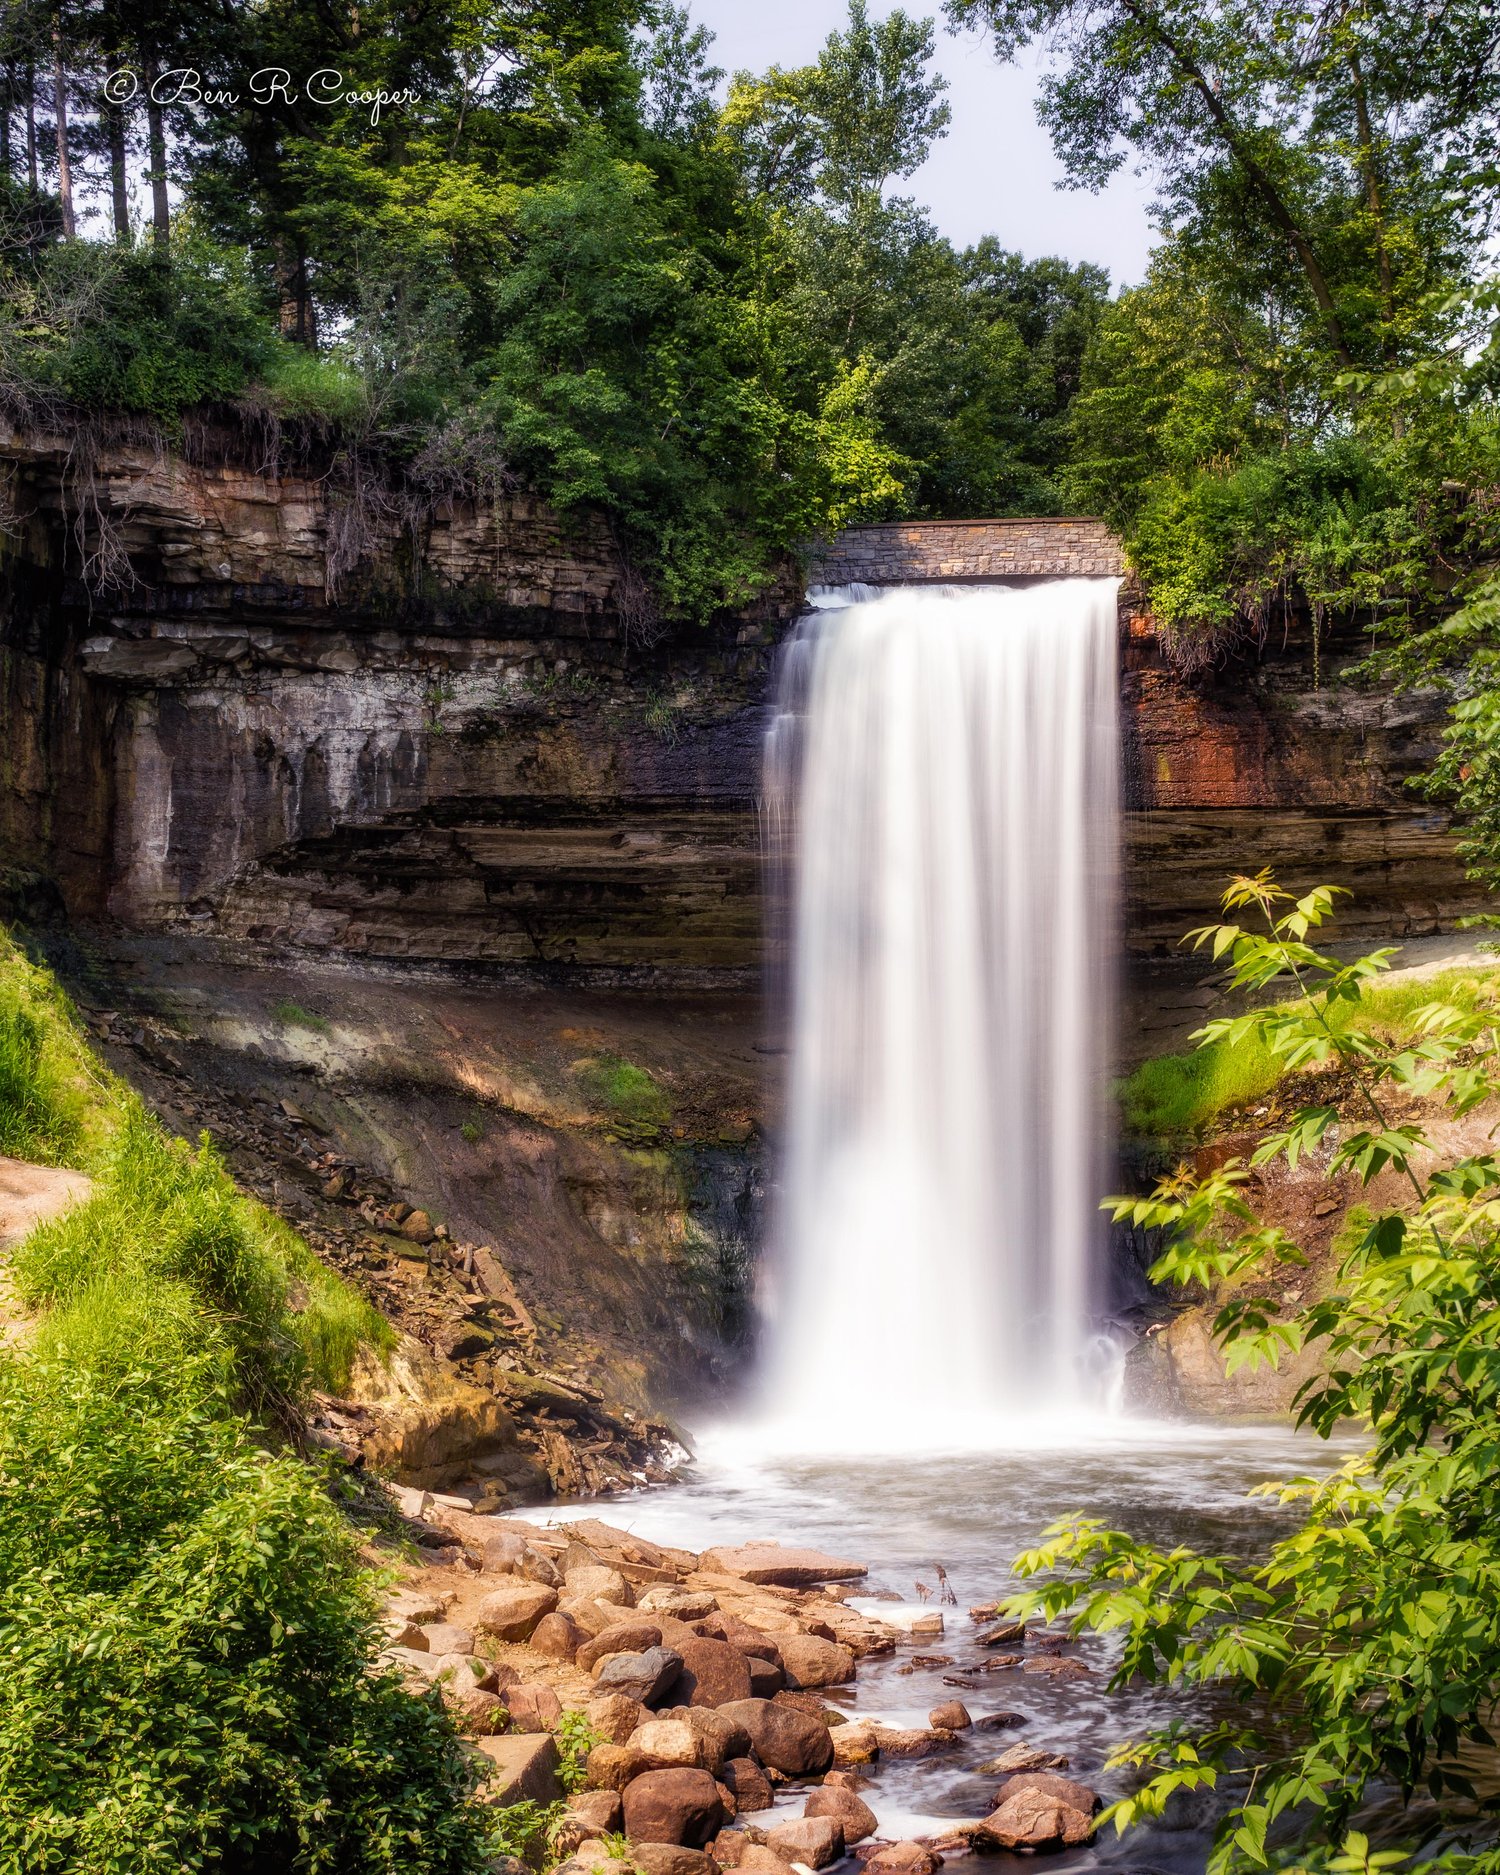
pixel 751 1787
pixel 643 1676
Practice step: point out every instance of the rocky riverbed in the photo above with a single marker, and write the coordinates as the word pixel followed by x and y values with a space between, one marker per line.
pixel 849 1695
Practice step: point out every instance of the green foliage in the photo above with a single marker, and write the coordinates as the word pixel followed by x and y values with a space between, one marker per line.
pixel 576 1738
pixel 524 1830
pixel 1361 1655
pixel 43 1102
pixel 1174 1096
pixel 186 1634
pixel 636 1104
pixel 295 1016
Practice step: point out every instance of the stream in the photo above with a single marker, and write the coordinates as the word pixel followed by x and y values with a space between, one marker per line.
pixel 973 1513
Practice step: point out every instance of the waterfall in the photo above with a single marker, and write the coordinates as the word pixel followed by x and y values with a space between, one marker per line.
pixel 941 802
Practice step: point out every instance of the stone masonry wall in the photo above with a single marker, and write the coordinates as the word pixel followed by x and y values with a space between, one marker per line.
pixel 898 551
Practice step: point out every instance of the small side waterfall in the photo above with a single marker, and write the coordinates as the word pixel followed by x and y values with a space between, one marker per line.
pixel 941 791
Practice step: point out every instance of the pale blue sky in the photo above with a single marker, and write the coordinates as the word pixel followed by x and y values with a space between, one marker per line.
pixel 994 171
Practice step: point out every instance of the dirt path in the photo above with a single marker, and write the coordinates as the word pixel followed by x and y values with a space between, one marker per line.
pixel 28 1194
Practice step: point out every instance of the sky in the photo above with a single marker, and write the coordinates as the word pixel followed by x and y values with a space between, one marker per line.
pixel 994 171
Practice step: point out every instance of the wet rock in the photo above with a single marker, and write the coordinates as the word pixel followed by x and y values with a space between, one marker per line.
pixel 713 1673
pixel 897 1742
pixel 951 1716
pixel 903 1858
pixel 622 1637
pixel 520 1768
pixel 855 1743
pixel 614 1716
pixel 751 1787
pixel 1064 1789
pixel 512 1613
pixel 664 1743
pixel 644 1676
pixel 1039 1811
pixel 674 1806
pixel 810 1662
pixel 1056 1667
pixel 533 1707
pixel 611 1767
pixel 785 1568
pixel 784 1739
pixel 999 1721
pixel 1003 1634
pixel 814 1841
pixel 558 1636
pixel 855 1816
pixel 1024 1758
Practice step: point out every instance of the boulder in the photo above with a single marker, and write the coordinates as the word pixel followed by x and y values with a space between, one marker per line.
pixel 667 1742
pixel 1063 1789
pixel 903 1858
pixel 815 1841
pixel 766 1678
pixel 595 1582
pixel 470 1669
pixel 783 1738
pixel 444 1638
pixel 751 1787
pixel 512 1613
pixel 1000 1721
pixel 593 1617
pixel 896 1742
pixel 855 1816
pixel 951 1716
pixel 1024 1758
pixel 644 1676
pixel 759 1860
pixel 614 1716
pixel 558 1636
pixel 666 1598
pixel 713 1673
pixel 479 1713
pixel 855 1743
pixel 590 1857
pixel 520 1768
pixel 663 1858
pixel 810 1662
pixel 533 1707
pixel 677 1806
pixel 596 1812
pixel 1030 1819
pixel 611 1767
pixel 726 1738
pixel 621 1637
pixel 1056 1667
pixel 740 1634
pixel 1005 1635
pixel 784 1568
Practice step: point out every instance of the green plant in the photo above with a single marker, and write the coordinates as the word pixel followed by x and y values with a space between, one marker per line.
pixel 576 1738
pixel 295 1016
pixel 1362 1653
pixel 638 1107
pixel 471 1132
pixel 43 1098
pixel 523 1830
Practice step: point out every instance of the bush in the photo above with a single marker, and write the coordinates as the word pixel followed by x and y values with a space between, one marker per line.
pixel 185 1634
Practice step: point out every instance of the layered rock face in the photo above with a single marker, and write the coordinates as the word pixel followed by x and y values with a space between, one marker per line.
pixel 461 751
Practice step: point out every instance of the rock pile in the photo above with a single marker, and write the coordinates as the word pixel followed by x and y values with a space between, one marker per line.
pixel 701 1678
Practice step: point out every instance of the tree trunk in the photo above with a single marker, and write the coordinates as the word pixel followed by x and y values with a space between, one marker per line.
pixel 10 86
pixel 31 168
pixel 156 149
pixel 1369 165
pixel 64 167
pixel 299 319
pixel 114 126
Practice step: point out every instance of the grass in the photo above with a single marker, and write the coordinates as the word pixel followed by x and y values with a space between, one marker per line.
pixel 295 1016
pixel 1178 1096
pixel 635 1102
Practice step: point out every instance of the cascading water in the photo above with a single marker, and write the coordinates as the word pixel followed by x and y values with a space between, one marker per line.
pixel 941 785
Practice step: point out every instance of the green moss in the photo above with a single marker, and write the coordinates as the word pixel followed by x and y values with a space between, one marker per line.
pixel 636 1104
pixel 1178 1096
pixel 296 1017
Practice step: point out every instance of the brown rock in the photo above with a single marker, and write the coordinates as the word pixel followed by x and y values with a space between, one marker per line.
pixel 520 1768
pixel 611 1767
pixel 1062 1789
pixel 443 1638
pixel 713 1673
pixel 1005 1635
pixel 1030 1819
pixel 951 1716
pixel 597 1812
pixel 662 1858
pixel 558 1636
pixel 810 1662
pixel 417 1226
pixel 766 1678
pixel 676 1806
pixel 533 1707
pixel 759 1860
pixel 786 1568
pixel 666 1598
pixel 740 1634
pixel 722 1737
pixel 470 1669
pixel 614 1716
pixel 593 1617
pixel 595 1582
pixel 667 1742
pixel 751 1787
pixel 622 1637
pixel 1056 1667
pixel 813 1840
pixel 855 1743
pixel 903 1858
pixel 898 1743
pixel 784 1739
pixel 479 1713
pixel 513 1612
pixel 856 1817
pixel 1024 1758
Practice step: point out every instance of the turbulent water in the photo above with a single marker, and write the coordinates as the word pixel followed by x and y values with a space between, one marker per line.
pixel 941 793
